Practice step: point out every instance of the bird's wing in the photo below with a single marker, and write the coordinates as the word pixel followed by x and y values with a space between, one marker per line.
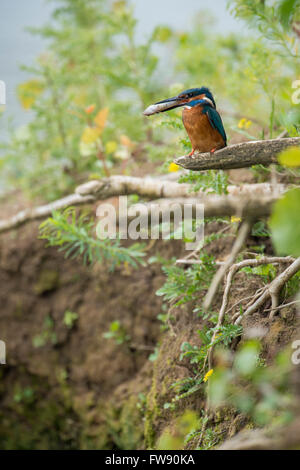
pixel 216 122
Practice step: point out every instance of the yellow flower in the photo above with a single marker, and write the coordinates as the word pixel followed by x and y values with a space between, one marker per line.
pixel 29 91
pixel 241 123
pixel 90 135
pixel 173 167
pixel 111 146
pixel 207 375
pixel 235 219
pixel 244 123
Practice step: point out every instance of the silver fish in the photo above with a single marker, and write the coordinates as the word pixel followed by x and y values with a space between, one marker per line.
pixel 162 106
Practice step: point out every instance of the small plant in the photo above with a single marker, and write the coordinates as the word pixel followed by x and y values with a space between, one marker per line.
pixel 266 271
pixel 117 332
pixel 211 181
pixel 185 426
pixel 197 355
pixel 48 334
pixel 70 318
pixel 260 229
pixel 261 392
pixel 182 285
pixel 73 235
pixel 24 395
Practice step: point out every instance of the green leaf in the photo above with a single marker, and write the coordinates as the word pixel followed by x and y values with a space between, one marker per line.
pixel 290 157
pixel 246 359
pixel 285 223
pixel 286 11
pixel 162 34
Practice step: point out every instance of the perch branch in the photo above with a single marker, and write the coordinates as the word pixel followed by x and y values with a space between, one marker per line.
pixel 260 152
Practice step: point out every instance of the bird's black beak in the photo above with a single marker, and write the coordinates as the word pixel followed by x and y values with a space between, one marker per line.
pixel 164 105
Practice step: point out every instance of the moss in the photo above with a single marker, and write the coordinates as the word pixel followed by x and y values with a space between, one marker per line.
pixel 152 410
pixel 18 311
pixel 125 425
pixel 39 425
pixel 48 281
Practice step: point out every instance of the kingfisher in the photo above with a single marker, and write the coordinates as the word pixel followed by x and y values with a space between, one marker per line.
pixel 200 118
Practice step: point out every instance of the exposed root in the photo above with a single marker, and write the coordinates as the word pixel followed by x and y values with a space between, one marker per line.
pixel 238 245
pixel 273 291
pixel 260 296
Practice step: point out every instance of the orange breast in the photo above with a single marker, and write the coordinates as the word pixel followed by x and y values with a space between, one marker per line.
pixel 203 136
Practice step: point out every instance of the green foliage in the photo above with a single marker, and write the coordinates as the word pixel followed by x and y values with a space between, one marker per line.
pixel 70 318
pixel 184 285
pixel 92 64
pixel 292 286
pixel 264 15
pixel 285 223
pixel 73 236
pixel 211 181
pixel 260 229
pixel 248 385
pixel 47 335
pixel 87 91
pixel 176 437
pixel 266 271
pixel 290 157
pixel 24 395
pixel 117 332
pixel 197 355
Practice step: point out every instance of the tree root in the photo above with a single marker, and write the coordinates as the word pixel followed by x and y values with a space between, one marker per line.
pixel 273 291
pixel 261 295
pixel 238 245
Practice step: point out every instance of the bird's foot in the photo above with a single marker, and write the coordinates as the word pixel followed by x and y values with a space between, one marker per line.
pixel 213 150
pixel 191 153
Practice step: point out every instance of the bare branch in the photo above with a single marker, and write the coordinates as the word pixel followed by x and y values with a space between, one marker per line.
pixel 260 152
pixel 252 199
pixel 41 212
pixel 238 245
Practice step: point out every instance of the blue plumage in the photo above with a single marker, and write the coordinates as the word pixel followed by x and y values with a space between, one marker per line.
pixel 197 92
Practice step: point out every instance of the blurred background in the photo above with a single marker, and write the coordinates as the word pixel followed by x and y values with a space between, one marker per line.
pixel 18 47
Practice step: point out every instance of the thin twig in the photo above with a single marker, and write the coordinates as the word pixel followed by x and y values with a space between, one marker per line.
pixel 238 245
pixel 282 306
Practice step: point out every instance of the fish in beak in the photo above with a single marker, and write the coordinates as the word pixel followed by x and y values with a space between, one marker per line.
pixel 164 105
